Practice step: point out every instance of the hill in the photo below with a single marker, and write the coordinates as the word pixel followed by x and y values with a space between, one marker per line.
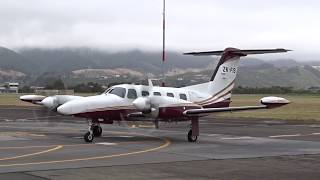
pixel 80 65
pixel 68 60
pixel 11 60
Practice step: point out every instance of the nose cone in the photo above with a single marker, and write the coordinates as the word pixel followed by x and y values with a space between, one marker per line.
pixel 65 109
pixel 49 102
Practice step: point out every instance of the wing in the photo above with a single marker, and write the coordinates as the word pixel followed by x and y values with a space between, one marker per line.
pixel 266 103
pixel 206 111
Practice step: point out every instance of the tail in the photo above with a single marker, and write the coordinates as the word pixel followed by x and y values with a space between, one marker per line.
pixel 218 89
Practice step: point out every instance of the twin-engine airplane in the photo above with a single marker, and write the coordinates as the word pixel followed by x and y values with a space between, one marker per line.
pixel 138 102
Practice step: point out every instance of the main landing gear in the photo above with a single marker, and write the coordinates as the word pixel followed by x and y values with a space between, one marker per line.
pixel 194 131
pixel 94 130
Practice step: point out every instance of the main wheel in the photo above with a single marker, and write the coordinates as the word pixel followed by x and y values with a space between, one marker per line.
pixel 192 138
pixel 88 137
pixel 97 131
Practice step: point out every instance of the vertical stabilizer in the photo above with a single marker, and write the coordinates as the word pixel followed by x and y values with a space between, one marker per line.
pixel 223 78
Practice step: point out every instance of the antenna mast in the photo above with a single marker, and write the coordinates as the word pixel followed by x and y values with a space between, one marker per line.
pixel 163 41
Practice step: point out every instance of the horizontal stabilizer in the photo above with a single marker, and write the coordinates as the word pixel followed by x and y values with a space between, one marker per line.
pixel 238 51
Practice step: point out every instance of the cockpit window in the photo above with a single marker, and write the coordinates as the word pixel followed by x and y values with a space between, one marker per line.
pixel 106 91
pixel 119 91
pixel 132 94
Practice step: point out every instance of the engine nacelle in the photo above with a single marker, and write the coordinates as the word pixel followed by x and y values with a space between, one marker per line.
pixel 35 99
pixel 143 104
pixel 273 102
pixel 50 102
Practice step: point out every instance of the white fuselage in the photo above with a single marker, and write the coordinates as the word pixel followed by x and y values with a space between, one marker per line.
pixel 120 100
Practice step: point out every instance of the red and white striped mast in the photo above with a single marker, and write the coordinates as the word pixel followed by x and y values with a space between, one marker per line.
pixel 163 41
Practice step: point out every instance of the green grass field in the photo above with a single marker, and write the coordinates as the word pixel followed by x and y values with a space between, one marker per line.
pixel 302 107
pixel 12 100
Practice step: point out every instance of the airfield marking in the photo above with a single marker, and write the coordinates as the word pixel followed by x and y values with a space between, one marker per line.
pixel 285 135
pixel 214 135
pixel 20 134
pixel 106 144
pixel 146 126
pixel 35 118
pixel 236 138
pixel 166 144
pixel 23 108
pixel 294 135
pixel 31 119
pixel 67 145
pixel 32 154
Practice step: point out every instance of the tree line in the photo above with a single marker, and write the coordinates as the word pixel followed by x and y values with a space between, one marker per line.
pixel 92 87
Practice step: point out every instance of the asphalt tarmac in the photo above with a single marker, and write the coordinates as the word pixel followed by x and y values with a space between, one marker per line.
pixel 38 144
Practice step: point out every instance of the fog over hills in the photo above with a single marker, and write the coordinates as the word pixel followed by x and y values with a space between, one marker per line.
pixel 31 65
pixel 67 60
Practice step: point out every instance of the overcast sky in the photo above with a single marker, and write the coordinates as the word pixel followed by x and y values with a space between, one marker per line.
pixel 120 25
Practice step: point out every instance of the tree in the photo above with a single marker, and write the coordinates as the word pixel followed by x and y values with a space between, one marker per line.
pixel 57 84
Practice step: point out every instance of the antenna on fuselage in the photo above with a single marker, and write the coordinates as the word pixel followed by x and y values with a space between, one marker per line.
pixel 150 83
pixel 163 42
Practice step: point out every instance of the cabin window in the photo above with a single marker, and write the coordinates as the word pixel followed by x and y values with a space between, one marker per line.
pixel 132 94
pixel 119 91
pixel 170 95
pixel 183 96
pixel 145 93
pixel 157 93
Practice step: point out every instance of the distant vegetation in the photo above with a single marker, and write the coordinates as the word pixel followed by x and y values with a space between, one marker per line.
pixel 88 88
pixel 74 66
pixel 57 84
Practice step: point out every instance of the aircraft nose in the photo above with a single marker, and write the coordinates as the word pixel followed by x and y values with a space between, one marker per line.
pixel 65 109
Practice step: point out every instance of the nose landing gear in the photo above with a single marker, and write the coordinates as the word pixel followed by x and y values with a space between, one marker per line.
pixel 194 131
pixel 97 130
pixel 88 137
pixel 94 130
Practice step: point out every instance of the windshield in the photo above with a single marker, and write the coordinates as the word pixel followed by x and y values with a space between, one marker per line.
pixel 119 91
pixel 106 91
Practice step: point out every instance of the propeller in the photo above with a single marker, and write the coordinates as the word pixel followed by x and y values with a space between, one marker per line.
pixel 143 104
pixel 50 102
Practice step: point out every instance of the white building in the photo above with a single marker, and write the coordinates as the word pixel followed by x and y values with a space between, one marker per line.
pixel 9 87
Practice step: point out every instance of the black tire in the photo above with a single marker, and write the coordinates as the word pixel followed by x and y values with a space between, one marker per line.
pixel 88 137
pixel 192 138
pixel 97 131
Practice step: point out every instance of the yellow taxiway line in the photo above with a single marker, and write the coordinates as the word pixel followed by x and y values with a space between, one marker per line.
pixel 32 154
pixel 166 144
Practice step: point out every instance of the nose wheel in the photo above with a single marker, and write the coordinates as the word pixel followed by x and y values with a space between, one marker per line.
pixel 194 131
pixel 88 137
pixel 94 130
